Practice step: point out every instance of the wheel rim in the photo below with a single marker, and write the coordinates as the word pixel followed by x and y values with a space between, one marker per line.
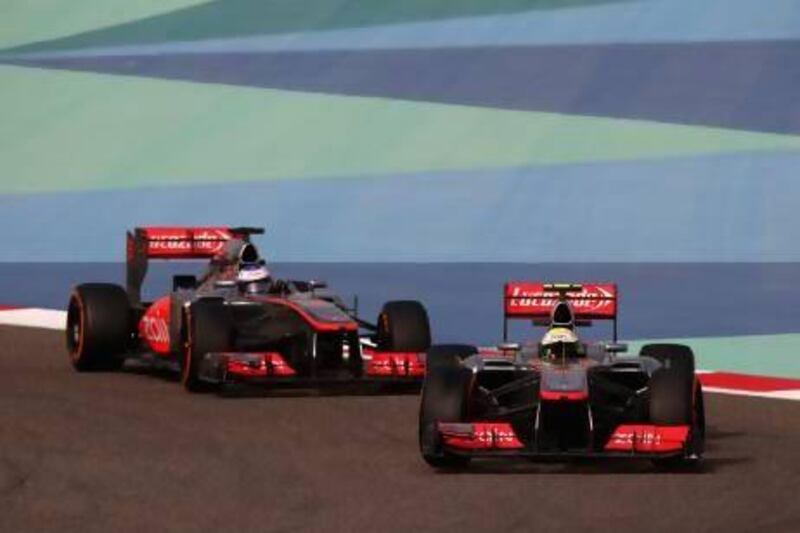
pixel 74 329
pixel 76 333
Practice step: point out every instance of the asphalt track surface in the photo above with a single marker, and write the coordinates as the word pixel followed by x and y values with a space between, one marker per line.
pixel 133 451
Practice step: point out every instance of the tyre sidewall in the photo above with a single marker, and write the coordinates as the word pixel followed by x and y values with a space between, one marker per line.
pixel 103 315
pixel 676 396
pixel 444 397
pixel 672 387
pixel 209 328
pixel 403 326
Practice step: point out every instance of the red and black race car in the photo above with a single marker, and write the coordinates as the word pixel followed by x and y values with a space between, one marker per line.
pixel 214 332
pixel 561 397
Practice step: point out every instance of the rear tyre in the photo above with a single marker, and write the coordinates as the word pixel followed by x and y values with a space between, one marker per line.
pixel 443 399
pixel 403 326
pixel 676 398
pixel 98 327
pixel 210 329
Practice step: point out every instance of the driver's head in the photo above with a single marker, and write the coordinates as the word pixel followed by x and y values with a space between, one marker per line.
pixel 253 278
pixel 560 343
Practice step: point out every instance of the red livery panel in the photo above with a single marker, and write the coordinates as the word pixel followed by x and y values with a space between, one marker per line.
pixel 165 242
pixel 530 300
pixel 563 396
pixel 648 438
pixel 265 365
pixel 396 364
pixel 154 325
pixel 480 436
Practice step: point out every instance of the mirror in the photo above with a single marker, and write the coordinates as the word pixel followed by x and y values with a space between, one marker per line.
pixel 509 347
pixel 615 347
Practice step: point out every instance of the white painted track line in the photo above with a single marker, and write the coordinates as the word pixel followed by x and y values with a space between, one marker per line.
pixel 34 318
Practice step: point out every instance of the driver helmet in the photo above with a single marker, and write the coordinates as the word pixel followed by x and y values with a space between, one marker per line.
pixel 559 343
pixel 254 278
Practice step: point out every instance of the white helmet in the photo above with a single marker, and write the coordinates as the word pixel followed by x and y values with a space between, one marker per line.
pixel 253 278
pixel 560 342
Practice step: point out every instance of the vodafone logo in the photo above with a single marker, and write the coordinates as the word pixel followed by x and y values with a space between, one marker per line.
pixel 154 329
pixel 154 325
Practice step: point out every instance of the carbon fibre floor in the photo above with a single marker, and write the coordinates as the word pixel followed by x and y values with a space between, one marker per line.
pixel 133 451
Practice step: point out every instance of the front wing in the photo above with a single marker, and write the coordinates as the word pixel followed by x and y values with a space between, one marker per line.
pixel 270 368
pixel 498 439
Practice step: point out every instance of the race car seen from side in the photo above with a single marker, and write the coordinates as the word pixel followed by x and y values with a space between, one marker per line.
pixel 296 332
pixel 513 401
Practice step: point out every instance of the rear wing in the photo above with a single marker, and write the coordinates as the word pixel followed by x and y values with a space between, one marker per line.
pixel 535 301
pixel 176 242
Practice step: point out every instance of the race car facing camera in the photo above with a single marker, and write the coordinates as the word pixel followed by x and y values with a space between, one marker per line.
pixel 561 397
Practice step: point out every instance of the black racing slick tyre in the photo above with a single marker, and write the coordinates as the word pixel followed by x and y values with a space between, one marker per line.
pixel 98 327
pixel 209 329
pixel 672 386
pixel 676 397
pixel 403 327
pixel 448 355
pixel 443 399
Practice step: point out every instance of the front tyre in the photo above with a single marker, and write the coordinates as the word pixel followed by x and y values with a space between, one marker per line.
pixel 403 326
pixel 209 329
pixel 444 394
pixel 676 399
pixel 98 327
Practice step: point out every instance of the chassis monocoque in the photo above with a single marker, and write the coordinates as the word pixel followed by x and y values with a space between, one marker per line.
pixel 510 401
pixel 296 333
